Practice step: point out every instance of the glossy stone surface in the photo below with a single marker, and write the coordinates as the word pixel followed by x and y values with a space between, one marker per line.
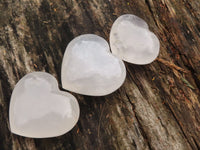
pixel 39 109
pixel 132 41
pixel 89 68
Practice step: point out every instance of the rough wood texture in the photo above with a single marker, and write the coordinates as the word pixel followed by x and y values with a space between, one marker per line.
pixel 157 108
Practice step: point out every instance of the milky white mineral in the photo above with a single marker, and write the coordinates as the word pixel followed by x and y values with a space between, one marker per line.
pixel 89 68
pixel 38 109
pixel 132 41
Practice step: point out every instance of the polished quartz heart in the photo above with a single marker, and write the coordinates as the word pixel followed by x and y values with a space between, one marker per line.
pixel 39 109
pixel 132 41
pixel 89 68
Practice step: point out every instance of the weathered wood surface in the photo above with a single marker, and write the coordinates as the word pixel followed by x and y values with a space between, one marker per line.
pixel 157 108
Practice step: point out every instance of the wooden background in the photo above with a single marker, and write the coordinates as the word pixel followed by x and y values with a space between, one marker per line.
pixel 157 108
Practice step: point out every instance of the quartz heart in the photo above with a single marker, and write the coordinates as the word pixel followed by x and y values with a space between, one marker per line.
pixel 89 68
pixel 39 109
pixel 132 41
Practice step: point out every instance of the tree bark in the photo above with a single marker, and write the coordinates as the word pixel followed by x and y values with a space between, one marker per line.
pixel 158 106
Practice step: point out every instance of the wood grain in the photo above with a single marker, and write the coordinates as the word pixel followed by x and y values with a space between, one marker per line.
pixel 157 108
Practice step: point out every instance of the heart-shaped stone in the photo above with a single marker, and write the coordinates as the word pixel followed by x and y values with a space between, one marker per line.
pixel 132 41
pixel 38 109
pixel 89 68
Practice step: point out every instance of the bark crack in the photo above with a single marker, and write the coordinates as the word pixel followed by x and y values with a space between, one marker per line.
pixel 151 11
pixel 140 125
pixel 170 109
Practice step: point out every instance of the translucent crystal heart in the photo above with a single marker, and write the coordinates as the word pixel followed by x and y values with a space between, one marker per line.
pixel 132 41
pixel 39 109
pixel 89 68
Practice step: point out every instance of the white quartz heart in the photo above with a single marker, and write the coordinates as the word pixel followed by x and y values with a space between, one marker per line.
pixel 89 68
pixel 132 41
pixel 38 109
